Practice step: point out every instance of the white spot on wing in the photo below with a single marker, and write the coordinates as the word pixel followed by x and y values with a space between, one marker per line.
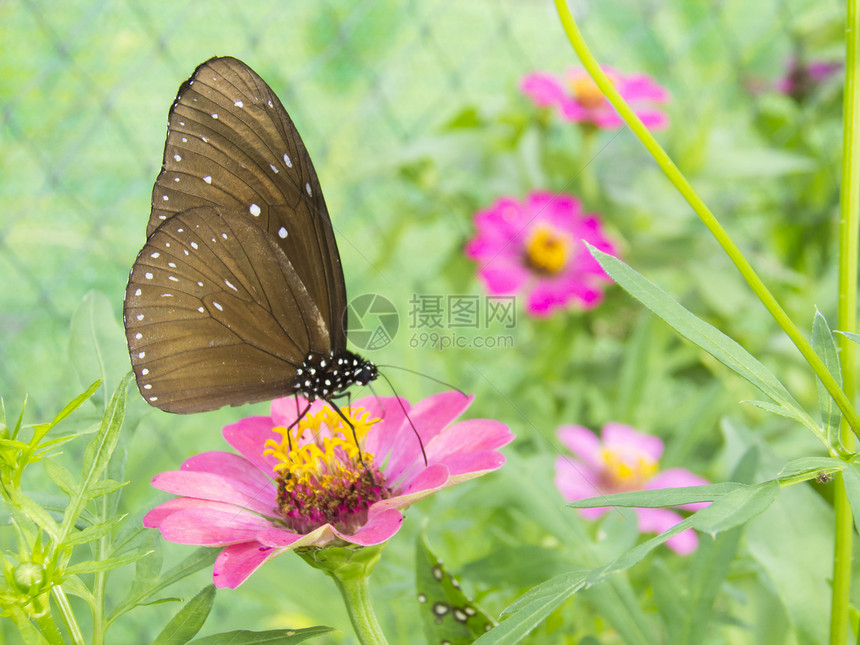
pixel 239 104
pixel 287 160
pixel 255 210
pixel 137 292
pixel 194 246
pixel 208 179
pixel 308 188
pixel 147 275
pixel 141 355
pixel 144 371
pixel 177 158
pixel 217 306
pixel 165 198
pixel 154 254
pixel 282 233
pixel 273 167
pixel 229 284
pixel 139 316
pixel 214 115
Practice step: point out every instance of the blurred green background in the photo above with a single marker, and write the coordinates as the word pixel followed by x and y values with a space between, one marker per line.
pixel 411 113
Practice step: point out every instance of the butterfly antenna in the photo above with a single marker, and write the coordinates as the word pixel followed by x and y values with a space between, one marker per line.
pixel 402 407
pixel 427 376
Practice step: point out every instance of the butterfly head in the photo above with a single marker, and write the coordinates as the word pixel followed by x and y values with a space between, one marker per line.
pixel 325 376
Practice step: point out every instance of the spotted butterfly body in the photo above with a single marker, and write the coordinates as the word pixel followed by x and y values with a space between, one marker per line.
pixel 238 294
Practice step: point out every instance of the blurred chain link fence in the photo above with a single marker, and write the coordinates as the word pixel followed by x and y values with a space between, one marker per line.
pixel 85 87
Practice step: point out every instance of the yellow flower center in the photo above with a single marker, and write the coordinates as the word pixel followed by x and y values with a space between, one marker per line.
pixel 547 250
pixel 587 94
pixel 627 469
pixel 323 474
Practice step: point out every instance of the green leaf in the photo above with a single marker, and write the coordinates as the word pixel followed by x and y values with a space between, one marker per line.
pixel 271 637
pixel 532 608
pixel 97 343
pixel 104 487
pixel 108 564
pixel 201 558
pixel 807 465
pixel 42 429
pixel 706 336
pixel 850 335
pixel 91 533
pixel 825 347
pixel 661 497
pixel 99 450
pixel 61 477
pixel 851 477
pixel 76 587
pixel 738 507
pixel 189 620
pixel 446 613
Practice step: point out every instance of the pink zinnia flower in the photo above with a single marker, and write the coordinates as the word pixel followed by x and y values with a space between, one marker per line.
pixel 623 460
pixel 579 100
pixel 315 485
pixel 537 247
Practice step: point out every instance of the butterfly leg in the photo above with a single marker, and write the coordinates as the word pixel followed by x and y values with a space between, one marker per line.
pixel 331 403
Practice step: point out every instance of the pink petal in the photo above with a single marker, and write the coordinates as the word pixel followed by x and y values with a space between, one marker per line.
pixel 583 443
pixel 576 481
pixel 284 409
pixel 235 563
pixel 678 478
pixel 209 486
pixel 227 464
pixel 623 436
pixel 381 526
pixel 155 517
pixel 418 485
pixel 641 87
pixel 468 466
pixel 501 277
pixel 212 526
pixel 428 417
pixel 543 89
pixel 469 436
pixel 606 119
pixel 653 119
pixel 658 520
pixel 249 437
pixel 391 411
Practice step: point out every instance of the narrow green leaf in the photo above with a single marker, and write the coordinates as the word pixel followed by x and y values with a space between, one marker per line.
pixel 34 512
pixel 76 587
pixel 738 507
pixel 825 347
pixel 661 497
pixel 60 476
pixel 850 335
pixel 189 620
pixel 706 336
pixel 99 450
pixel 532 608
pixel 201 558
pixel 97 343
pixel 271 637
pixel 42 429
pixel 805 465
pixel 104 487
pixel 851 477
pixel 91 533
pixel 109 564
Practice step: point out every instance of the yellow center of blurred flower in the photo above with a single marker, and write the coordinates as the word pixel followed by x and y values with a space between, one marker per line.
pixel 587 94
pixel 324 476
pixel 628 470
pixel 547 250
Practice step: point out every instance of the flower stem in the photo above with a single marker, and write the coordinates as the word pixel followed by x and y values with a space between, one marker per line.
pixel 849 199
pixel 68 615
pixel 676 177
pixel 356 595
pixel 350 568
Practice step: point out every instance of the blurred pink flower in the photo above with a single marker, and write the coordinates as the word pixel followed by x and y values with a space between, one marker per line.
pixel 536 246
pixel 314 485
pixel 623 460
pixel 579 100
pixel 802 78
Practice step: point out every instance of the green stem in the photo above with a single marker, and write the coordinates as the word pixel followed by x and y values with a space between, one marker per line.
pixel 849 202
pixel 102 547
pixel 707 217
pixel 356 595
pixel 350 567
pixel 43 619
pixel 68 615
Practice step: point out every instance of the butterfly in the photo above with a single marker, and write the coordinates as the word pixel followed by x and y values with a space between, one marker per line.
pixel 238 294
